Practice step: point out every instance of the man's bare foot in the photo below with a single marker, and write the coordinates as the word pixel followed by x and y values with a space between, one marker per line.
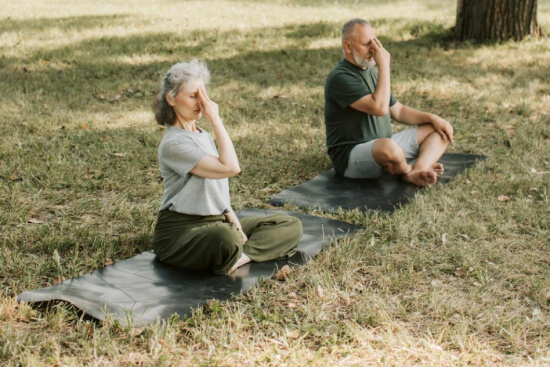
pixel 243 260
pixel 438 169
pixel 420 178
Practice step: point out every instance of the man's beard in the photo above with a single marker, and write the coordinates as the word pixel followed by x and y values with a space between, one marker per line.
pixel 364 63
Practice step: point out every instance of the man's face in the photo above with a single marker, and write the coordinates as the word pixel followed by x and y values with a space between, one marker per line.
pixel 360 43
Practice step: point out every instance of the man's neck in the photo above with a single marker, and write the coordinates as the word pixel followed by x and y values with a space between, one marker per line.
pixel 351 61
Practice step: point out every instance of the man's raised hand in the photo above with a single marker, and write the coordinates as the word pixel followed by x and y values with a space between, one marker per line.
pixel 380 54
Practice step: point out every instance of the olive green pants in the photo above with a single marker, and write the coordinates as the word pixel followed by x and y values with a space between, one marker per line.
pixel 208 242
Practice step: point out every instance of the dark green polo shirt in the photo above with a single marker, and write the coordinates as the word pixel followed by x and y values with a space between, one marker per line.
pixel 345 126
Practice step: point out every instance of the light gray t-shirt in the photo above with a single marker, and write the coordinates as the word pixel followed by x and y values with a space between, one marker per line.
pixel 179 152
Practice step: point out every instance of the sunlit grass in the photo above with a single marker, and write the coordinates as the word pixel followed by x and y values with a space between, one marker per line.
pixel 456 277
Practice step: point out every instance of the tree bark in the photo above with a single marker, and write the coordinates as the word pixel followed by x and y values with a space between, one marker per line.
pixel 496 20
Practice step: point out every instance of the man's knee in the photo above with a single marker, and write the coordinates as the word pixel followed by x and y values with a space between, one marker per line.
pixel 386 151
pixel 424 131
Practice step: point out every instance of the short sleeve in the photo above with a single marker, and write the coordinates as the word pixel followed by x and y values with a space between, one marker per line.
pixel 393 100
pixel 345 89
pixel 181 156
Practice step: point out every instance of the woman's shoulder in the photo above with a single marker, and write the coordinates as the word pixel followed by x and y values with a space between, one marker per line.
pixel 177 139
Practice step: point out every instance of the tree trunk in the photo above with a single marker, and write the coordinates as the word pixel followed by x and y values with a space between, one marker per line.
pixel 496 20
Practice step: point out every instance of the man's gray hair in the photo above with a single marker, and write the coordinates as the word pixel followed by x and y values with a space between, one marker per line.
pixel 349 26
pixel 178 78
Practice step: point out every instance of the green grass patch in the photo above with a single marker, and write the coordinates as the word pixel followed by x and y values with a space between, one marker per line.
pixel 456 277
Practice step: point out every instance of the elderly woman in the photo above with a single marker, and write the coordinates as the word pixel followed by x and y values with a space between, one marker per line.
pixel 197 228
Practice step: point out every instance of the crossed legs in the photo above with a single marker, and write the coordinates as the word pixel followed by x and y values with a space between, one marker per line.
pixel 390 156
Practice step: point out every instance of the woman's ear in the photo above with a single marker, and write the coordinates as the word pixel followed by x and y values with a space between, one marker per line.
pixel 169 99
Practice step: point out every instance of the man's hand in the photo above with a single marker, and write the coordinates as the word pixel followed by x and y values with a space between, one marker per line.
pixel 380 54
pixel 443 128
pixel 231 217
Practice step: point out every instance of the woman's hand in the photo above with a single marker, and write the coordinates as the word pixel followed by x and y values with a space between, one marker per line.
pixel 231 217
pixel 209 108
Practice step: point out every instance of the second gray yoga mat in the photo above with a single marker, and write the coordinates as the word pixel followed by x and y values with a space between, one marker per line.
pixel 329 191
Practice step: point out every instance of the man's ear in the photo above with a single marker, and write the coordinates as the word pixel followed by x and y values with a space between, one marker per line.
pixel 346 45
pixel 169 99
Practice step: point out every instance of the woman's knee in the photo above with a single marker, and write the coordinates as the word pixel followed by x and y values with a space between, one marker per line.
pixel 295 226
pixel 292 227
pixel 226 238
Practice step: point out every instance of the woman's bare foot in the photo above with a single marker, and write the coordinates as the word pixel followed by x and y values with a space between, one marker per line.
pixel 438 169
pixel 420 178
pixel 243 260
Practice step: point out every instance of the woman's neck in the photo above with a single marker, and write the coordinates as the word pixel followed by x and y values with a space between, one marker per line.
pixel 186 125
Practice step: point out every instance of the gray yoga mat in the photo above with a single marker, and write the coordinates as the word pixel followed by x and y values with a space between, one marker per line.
pixel 148 289
pixel 329 191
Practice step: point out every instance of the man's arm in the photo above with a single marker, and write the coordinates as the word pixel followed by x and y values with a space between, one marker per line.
pixel 411 116
pixel 377 103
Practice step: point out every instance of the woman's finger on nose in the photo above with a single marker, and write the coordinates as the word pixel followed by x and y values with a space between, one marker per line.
pixel 203 91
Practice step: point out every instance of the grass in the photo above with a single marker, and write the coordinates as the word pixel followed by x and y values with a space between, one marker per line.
pixel 456 277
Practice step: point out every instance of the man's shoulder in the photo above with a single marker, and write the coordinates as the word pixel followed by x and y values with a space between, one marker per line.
pixel 341 71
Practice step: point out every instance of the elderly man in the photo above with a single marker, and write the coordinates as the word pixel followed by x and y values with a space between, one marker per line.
pixel 359 107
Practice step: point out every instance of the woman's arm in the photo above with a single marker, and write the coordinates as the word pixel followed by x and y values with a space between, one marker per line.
pixel 227 164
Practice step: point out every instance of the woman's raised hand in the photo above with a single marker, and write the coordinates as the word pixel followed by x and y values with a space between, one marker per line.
pixel 209 108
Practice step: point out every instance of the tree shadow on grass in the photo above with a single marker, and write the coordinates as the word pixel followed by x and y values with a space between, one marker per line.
pixel 302 66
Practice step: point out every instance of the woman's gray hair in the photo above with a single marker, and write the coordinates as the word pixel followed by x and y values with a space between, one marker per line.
pixel 349 27
pixel 178 78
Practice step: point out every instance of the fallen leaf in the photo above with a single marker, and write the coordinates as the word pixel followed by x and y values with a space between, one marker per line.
pixel 293 334
pixel 283 273
pixel 120 155
pixel 291 305
pixel 292 295
pixel 459 272
pixel 211 302
pixel 533 189
pixel 108 262
pixel 58 280
pixel 137 331
pixel 319 291
pixel 114 98
pixel 16 177
pixel 35 221
pixel 84 126
pixel 346 298
pixel 89 328
pixel 503 198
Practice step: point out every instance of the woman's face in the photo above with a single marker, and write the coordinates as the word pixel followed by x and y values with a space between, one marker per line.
pixel 186 102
